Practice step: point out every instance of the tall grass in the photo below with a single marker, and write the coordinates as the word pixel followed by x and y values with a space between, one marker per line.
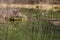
pixel 33 29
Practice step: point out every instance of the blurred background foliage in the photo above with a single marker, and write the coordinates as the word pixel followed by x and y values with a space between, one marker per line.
pixel 34 28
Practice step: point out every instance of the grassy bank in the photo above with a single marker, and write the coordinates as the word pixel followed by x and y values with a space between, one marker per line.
pixel 33 28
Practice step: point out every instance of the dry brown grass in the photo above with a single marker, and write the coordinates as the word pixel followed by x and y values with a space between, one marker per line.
pixel 41 6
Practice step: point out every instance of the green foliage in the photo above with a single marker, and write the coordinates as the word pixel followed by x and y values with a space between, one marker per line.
pixel 33 29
